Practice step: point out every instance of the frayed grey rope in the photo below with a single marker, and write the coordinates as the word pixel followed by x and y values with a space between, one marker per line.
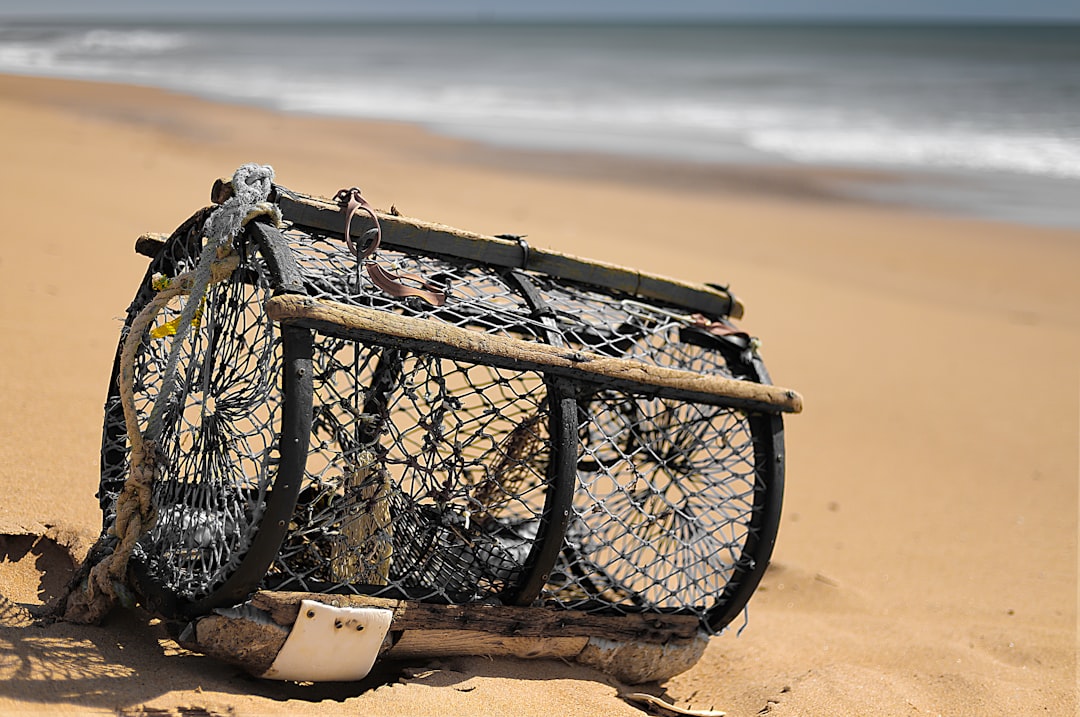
pixel 252 184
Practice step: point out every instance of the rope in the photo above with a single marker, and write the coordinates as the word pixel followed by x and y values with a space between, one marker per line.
pixel 251 187
pixel 102 582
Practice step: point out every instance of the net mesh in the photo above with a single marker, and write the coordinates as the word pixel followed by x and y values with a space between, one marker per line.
pixel 218 444
pixel 429 477
pixel 478 297
pixel 435 467
pixel 665 494
pixel 664 501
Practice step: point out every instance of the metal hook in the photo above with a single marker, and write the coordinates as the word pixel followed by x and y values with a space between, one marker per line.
pixel 353 201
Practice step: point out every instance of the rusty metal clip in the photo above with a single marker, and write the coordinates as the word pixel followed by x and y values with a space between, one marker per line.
pixel 351 202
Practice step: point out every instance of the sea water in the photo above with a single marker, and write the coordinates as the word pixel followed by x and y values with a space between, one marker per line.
pixel 981 120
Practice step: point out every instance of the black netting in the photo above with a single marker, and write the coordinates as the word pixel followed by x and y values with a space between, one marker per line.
pixel 664 501
pixel 448 477
pixel 433 469
pixel 478 297
pixel 218 444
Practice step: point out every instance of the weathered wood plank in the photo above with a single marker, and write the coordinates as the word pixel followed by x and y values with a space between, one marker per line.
pixel 632 648
pixel 504 620
pixel 456 343
pixel 428 644
pixel 284 607
pixel 407 233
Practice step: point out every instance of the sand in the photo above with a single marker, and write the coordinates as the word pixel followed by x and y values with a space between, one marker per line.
pixel 927 558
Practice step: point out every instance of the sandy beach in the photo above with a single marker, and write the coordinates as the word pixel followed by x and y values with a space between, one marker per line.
pixel 927 558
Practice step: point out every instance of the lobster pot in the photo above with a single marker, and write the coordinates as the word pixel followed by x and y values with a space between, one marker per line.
pixel 559 435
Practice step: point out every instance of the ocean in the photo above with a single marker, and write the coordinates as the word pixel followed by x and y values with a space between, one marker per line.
pixel 977 120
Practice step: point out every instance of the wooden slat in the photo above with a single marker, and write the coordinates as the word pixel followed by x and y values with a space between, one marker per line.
pixel 407 233
pixel 456 343
pixel 631 648
pixel 501 620
pixel 428 644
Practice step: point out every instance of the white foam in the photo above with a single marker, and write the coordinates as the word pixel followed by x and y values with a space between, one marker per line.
pixel 97 53
pixel 23 58
pixel 981 151
pixel 127 41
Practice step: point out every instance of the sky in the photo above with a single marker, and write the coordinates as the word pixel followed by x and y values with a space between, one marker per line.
pixel 631 10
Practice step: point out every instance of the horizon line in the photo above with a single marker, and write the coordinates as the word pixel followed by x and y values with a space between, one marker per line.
pixel 494 19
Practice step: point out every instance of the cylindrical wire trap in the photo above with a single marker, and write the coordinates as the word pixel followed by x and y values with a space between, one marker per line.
pixel 574 459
